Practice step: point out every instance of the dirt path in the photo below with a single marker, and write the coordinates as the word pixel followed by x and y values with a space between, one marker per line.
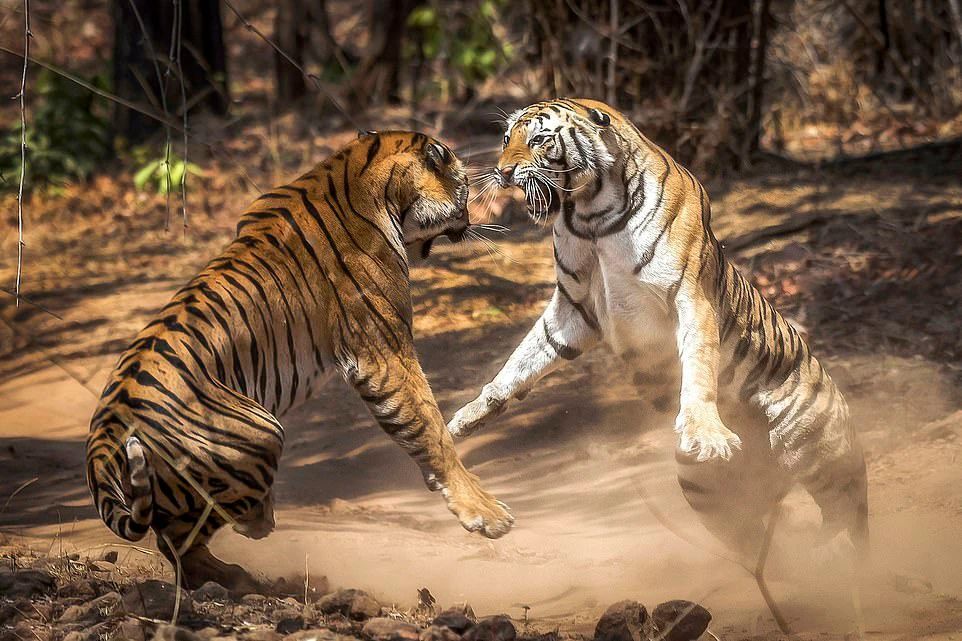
pixel 582 461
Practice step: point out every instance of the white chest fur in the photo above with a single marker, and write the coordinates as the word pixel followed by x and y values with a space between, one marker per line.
pixel 630 306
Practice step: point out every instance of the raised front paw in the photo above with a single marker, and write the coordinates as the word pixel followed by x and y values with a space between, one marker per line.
pixel 477 510
pixel 472 416
pixel 703 434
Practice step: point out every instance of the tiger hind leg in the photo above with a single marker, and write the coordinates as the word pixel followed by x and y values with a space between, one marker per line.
pixel 184 545
pixel 733 498
pixel 839 487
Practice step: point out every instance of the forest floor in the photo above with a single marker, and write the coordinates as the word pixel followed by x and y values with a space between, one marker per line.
pixel 866 256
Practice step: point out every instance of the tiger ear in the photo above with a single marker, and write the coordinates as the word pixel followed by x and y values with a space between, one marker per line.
pixel 361 133
pixel 435 155
pixel 599 117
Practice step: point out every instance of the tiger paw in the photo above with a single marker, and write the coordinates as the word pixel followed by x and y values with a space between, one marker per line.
pixel 472 416
pixel 702 433
pixel 477 510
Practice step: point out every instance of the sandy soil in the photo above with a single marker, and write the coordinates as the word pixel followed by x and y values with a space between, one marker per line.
pixel 583 461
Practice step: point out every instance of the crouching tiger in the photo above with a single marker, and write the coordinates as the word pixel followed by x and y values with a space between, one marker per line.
pixel 639 269
pixel 186 437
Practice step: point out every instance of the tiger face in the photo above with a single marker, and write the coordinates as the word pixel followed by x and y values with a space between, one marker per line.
pixel 437 198
pixel 552 150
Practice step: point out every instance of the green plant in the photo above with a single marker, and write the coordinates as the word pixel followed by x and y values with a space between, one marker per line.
pixel 464 39
pixel 166 173
pixel 66 136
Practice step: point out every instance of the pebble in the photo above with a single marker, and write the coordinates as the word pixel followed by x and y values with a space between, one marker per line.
pixel 211 591
pixel 680 620
pixel 496 628
pixel 354 604
pixel 386 629
pixel 622 621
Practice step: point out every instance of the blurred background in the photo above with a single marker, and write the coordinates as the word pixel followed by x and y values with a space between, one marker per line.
pixel 828 132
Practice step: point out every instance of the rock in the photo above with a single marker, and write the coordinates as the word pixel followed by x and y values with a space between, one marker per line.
pixel 454 619
pixel 25 583
pixel 99 608
pixel 110 556
pixel 211 591
pixel 10 614
pixel 174 633
pixel 465 609
pixel 83 588
pixel 318 635
pixel 131 630
pixel 262 635
pixel 680 620
pixel 623 621
pixel 912 585
pixel 253 599
pixel 386 629
pixel 288 625
pixel 102 566
pixel 440 633
pixel 496 628
pixel 153 599
pixel 354 604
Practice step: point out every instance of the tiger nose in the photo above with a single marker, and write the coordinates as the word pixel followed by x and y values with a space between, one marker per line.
pixel 507 173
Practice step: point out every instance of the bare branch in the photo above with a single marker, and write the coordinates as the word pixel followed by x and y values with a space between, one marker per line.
pixel 23 143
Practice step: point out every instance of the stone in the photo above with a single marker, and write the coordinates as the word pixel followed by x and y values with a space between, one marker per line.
pixel 354 604
pixel 26 583
pixel 387 629
pixel 10 614
pixel 912 585
pixel 253 599
pixel 262 635
pixel 454 619
pixel 680 620
pixel 99 608
pixel 496 628
pixel 102 566
pixel 174 633
pixel 440 633
pixel 211 591
pixel 153 599
pixel 318 635
pixel 622 621
pixel 289 625
pixel 83 588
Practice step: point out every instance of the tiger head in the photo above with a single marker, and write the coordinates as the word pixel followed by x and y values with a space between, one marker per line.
pixel 427 188
pixel 552 150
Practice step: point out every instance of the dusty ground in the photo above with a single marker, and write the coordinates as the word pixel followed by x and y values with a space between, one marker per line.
pixel 872 272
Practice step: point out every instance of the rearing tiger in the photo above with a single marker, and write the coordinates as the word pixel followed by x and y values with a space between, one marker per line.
pixel 639 269
pixel 186 438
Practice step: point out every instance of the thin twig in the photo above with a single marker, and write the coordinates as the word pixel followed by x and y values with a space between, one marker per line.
pixel 23 143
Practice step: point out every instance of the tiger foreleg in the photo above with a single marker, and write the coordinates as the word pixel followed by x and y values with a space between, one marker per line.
pixel 398 395
pixel 699 426
pixel 562 333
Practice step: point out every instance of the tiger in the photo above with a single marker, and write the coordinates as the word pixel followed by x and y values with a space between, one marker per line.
pixel 186 437
pixel 639 270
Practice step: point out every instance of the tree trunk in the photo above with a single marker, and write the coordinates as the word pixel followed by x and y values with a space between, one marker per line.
pixel 291 33
pixel 379 75
pixel 142 46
